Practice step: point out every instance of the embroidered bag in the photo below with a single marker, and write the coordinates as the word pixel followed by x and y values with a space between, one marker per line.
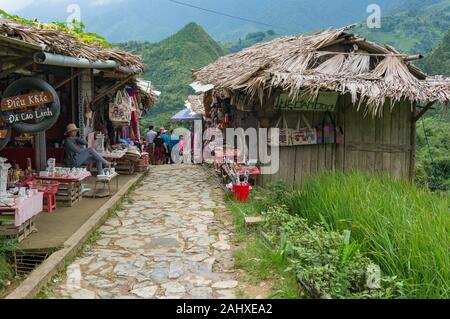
pixel 283 133
pixel 329 133
pixel 120 109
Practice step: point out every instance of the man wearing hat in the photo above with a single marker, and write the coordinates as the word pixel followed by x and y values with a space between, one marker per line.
pixel 77 153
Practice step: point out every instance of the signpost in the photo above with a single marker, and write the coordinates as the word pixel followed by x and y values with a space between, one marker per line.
pixel 26 101
pixel 33 112
pixel 324 102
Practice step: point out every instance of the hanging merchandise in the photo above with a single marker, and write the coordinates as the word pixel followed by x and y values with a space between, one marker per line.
pixel 88 114
pixel 304 135
pixel 99 115
pixel 135 125
pixel 284 134
pixel 329 132
pixel 120 109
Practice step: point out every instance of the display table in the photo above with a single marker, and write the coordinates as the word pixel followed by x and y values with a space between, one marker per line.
pixel 115 155
pixel 106 181
pixel 69 190
pixel 18 221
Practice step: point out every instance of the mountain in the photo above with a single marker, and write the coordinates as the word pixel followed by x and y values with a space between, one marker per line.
pixel 416 26
pixel 438 61
pixel 169 63
pixel 154 20
pixel 249 40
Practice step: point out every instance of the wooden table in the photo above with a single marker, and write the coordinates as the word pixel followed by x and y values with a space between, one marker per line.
pixel 70 190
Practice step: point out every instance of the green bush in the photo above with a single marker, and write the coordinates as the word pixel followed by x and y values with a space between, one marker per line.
pixel 402 228
pixel 327 263
pixel 5 270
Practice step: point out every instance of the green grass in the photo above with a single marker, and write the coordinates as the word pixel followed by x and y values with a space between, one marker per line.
pixel 260 261
pixel 403 228
pixel 6 272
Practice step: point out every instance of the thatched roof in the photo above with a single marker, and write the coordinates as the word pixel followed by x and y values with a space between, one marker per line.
pixel 195 102
pixel 331 60
pixel 58 42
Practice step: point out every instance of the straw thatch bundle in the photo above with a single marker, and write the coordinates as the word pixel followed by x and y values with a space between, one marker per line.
pixel 196 104
pixel 331 60
pixel 58 42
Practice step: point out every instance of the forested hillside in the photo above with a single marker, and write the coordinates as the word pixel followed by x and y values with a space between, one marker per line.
pixel 171 61
pixel 438 61
pixel 415 27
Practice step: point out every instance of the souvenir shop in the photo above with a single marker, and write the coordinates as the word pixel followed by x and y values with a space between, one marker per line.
pixel 94 88
pixel 339 103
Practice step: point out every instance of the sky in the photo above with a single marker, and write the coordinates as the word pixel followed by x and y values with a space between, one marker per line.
pixel 15 6
pixel 154 20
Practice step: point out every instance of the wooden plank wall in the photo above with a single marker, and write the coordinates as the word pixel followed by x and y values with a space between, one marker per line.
pixel 376 145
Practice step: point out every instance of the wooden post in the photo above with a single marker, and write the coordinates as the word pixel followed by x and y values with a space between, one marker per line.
pixel 40 149
pixel 74 95
pixel 412 169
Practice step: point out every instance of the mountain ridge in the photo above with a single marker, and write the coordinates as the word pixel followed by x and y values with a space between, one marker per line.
pixel 170 63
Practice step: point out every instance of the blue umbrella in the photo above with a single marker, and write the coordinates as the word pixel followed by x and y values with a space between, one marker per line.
pixel 186 115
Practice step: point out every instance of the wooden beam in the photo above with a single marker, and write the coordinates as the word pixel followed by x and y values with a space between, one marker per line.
pixel 111 89
pixel 15 68
pixel 423 111
pixel 74 96
pixel 412 157
pixel 70 78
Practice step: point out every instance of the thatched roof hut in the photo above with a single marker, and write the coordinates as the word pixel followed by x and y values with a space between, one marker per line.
pixel 59 42
pixel 334 60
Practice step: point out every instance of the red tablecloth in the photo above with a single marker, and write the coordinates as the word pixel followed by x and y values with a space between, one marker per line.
pixel 19 155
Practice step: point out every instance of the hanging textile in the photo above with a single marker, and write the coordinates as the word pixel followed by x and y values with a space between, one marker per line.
pixel 135 125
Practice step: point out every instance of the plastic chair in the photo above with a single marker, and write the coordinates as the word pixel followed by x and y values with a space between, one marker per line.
pixel 50 202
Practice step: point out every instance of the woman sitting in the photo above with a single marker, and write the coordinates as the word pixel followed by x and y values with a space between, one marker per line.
pixel 76 153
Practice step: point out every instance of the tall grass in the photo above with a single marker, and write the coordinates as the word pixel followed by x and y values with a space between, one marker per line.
pixel 403 228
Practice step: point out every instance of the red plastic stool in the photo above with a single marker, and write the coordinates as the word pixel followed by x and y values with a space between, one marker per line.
pixel 50 202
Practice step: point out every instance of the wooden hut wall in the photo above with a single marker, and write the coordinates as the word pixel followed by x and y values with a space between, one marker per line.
pixel 375 145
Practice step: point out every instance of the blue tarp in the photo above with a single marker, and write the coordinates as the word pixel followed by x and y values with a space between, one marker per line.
pixel 186 115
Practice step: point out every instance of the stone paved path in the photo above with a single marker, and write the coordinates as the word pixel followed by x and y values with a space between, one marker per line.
pixel 170 242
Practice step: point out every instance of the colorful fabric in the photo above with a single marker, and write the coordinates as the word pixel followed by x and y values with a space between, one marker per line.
pixel 160 153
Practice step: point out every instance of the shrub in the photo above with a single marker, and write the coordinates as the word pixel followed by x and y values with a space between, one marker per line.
pixel 327 263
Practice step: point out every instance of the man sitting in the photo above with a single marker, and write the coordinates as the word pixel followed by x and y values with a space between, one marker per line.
pixel 76 153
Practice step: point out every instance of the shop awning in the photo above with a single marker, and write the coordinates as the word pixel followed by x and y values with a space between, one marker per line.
pixel 186 115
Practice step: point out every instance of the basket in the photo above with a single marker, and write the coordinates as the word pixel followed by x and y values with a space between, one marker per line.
pixel 46 187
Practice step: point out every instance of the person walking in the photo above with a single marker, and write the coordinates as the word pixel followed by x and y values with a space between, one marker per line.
pixel 161 150
pixel 149 142
pixel 166 138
